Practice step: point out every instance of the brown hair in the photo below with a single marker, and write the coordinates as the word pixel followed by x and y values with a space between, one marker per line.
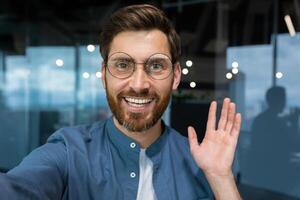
pixel 135 18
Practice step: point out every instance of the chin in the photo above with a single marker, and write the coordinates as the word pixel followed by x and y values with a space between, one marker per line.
pixel 136 122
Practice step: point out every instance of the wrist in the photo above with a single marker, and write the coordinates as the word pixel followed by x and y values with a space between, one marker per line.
pixel 223 186
pixel 223 176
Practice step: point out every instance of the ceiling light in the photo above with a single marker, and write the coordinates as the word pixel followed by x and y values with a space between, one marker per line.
pixel 185 71
pixel 188 63
pixel 235 70
pixel 85 75
pixel 90 48
pixel 235 64
pixel 229 75
pixel 59 62
pixel 279 75
pixel 192 84
pixel 98 74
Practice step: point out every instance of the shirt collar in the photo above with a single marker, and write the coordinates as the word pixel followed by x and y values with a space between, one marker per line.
pixel 126 144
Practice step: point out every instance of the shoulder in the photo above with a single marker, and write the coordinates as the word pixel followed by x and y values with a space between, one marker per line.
pixel 78 134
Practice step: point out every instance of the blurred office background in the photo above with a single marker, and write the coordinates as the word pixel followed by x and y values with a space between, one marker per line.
pixel 50 77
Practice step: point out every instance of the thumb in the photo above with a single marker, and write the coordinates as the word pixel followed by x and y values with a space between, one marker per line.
pixel 193 140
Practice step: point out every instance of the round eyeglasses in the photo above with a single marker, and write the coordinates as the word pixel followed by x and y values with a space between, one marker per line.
pixel 157 66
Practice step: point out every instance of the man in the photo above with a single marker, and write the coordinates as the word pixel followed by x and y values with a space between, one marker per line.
pixel 272 147
pixel 134 155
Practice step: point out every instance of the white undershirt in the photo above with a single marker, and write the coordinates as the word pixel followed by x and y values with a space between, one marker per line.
pixel 146 190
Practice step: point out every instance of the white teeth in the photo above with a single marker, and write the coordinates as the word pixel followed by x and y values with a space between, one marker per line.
pixel 137 101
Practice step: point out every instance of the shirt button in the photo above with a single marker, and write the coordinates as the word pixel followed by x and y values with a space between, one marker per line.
pixel 132 175
pixel 132 145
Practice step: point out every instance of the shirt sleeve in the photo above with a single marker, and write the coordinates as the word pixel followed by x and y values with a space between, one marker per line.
pixel 41 175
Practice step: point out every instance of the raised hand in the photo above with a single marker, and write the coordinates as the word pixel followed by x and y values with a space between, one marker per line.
pixel 216 152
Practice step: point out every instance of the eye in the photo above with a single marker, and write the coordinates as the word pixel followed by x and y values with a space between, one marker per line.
pixel 156 67
pixel 122 65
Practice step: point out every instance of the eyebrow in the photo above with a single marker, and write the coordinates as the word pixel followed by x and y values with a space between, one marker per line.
pixel 156 58
pixel 123 58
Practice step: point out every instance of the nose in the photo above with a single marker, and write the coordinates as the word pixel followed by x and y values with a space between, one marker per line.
pixel 139 80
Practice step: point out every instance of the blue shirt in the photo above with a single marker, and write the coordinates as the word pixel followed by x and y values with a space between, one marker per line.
pixel 99 162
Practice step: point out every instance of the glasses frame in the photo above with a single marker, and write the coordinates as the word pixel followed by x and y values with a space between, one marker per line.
pixel 143 63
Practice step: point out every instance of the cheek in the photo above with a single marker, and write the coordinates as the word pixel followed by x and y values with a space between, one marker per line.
pixel 164 90
pixel 114 87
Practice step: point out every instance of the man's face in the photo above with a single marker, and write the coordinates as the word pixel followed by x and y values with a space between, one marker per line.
pixel 138 102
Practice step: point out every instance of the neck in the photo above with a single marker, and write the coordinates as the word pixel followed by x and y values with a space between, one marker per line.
pixel 144 138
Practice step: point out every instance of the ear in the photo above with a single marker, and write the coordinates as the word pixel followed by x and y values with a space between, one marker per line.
pixel 103 71
pixel 177 75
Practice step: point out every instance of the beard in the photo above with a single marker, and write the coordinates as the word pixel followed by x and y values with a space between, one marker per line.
pixel 137 121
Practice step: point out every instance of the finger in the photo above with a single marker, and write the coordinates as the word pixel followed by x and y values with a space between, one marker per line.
pixel 237 125
pixel 231 117
pixel 224 113
pixel 211 121
pixel 193 140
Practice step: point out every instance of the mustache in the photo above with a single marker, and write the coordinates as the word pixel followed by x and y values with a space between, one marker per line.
pixel 142 93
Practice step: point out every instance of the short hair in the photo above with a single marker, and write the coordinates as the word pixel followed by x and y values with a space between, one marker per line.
pixel 136 18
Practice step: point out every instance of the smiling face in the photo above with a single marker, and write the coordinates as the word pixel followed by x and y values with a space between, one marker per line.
pixel 138 102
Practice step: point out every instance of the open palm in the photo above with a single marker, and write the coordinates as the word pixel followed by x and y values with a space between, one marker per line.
pixel 215 154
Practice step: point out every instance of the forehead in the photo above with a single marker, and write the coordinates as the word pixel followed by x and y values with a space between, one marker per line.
pixel 140 44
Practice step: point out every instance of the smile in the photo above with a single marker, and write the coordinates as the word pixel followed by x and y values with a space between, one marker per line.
pixel 137 102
